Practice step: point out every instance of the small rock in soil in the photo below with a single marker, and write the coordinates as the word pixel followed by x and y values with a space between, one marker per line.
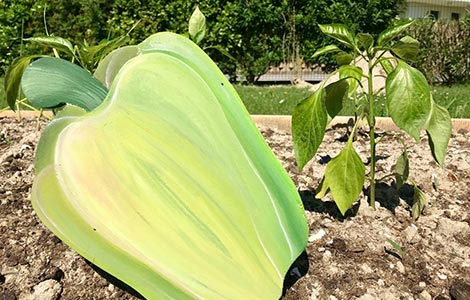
pixel 411 234
pixel 46 290
pixel 317 236
pixel 425 296
pixel 449 227
pixel 400 267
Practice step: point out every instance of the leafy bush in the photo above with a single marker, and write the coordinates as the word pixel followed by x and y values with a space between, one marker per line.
pixel 360 16
pixel 249 33
pixel 244 38
pixel 13 17
pixel 444 56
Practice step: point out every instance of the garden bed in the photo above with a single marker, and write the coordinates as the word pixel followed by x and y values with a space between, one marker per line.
pixel 346 258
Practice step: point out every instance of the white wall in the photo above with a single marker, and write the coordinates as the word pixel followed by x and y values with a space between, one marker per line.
pixel 420 10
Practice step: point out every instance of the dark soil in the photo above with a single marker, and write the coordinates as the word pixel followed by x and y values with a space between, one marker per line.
pixel 347 257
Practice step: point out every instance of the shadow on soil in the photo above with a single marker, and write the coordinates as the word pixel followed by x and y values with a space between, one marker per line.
pixel 116 282
pixel 386 194
pixel 389 196
pixel 297 270
pixel 313 204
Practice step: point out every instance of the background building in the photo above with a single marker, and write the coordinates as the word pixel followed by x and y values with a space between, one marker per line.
pixel 438 9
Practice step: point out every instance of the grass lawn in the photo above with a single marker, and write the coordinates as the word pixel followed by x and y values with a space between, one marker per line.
pixel 281 100
pixel 455 98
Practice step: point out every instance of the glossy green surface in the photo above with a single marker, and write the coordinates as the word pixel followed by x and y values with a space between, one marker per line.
pixel 169 186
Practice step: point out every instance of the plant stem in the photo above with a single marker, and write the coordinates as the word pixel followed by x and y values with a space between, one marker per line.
pixel 371 121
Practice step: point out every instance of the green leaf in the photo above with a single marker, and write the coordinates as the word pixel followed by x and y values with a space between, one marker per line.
pixel 334 96
pixel 365 41
pixel 322 189
pixel 406 48
pixel 419 202
pixel 309 120
pixel 169 171
pixel 353 75
pixel 339 32
pixel 439 128
pixel 390 33
pixel 70 111
pixel 397 247
pixel 326 50
pixel 197 26
pixel 408 98
pixel 91 55
pixel 387 65
pixel 402 169
pixel 55 42
pixel 345 176
pixel 222 51
pixel 311 116
pixel 50 81
pixel 344 58
pixel 110 65
pixel 13 78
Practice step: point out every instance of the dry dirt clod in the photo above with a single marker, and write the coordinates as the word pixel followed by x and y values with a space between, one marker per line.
pixel 401 267
pixel 411 234
pixel 450 228
pixel 424 295
pixel 46 290
pixel 316 236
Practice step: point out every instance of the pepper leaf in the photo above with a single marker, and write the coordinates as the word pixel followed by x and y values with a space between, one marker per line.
pixel 390 33
pixel 439 128
pixel 56 42
pixel 309 121
pixel 402 169
pixel 345 176
pixel 419 202
pixel 365 41
pixel 50 81
pixel 326 50
pixel 353 75
pixel 197 26
pixel 406 48
pixel 13 78
pixel 334 96
pixel 339 32
pixel 408 98
pixel 344 58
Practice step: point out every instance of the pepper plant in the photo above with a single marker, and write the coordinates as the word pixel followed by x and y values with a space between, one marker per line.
pixel 409 103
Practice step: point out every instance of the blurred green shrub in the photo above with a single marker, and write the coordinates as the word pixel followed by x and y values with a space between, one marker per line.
pixel 372 16
pixel 244 37
pixel 83 21
pixel 444 57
